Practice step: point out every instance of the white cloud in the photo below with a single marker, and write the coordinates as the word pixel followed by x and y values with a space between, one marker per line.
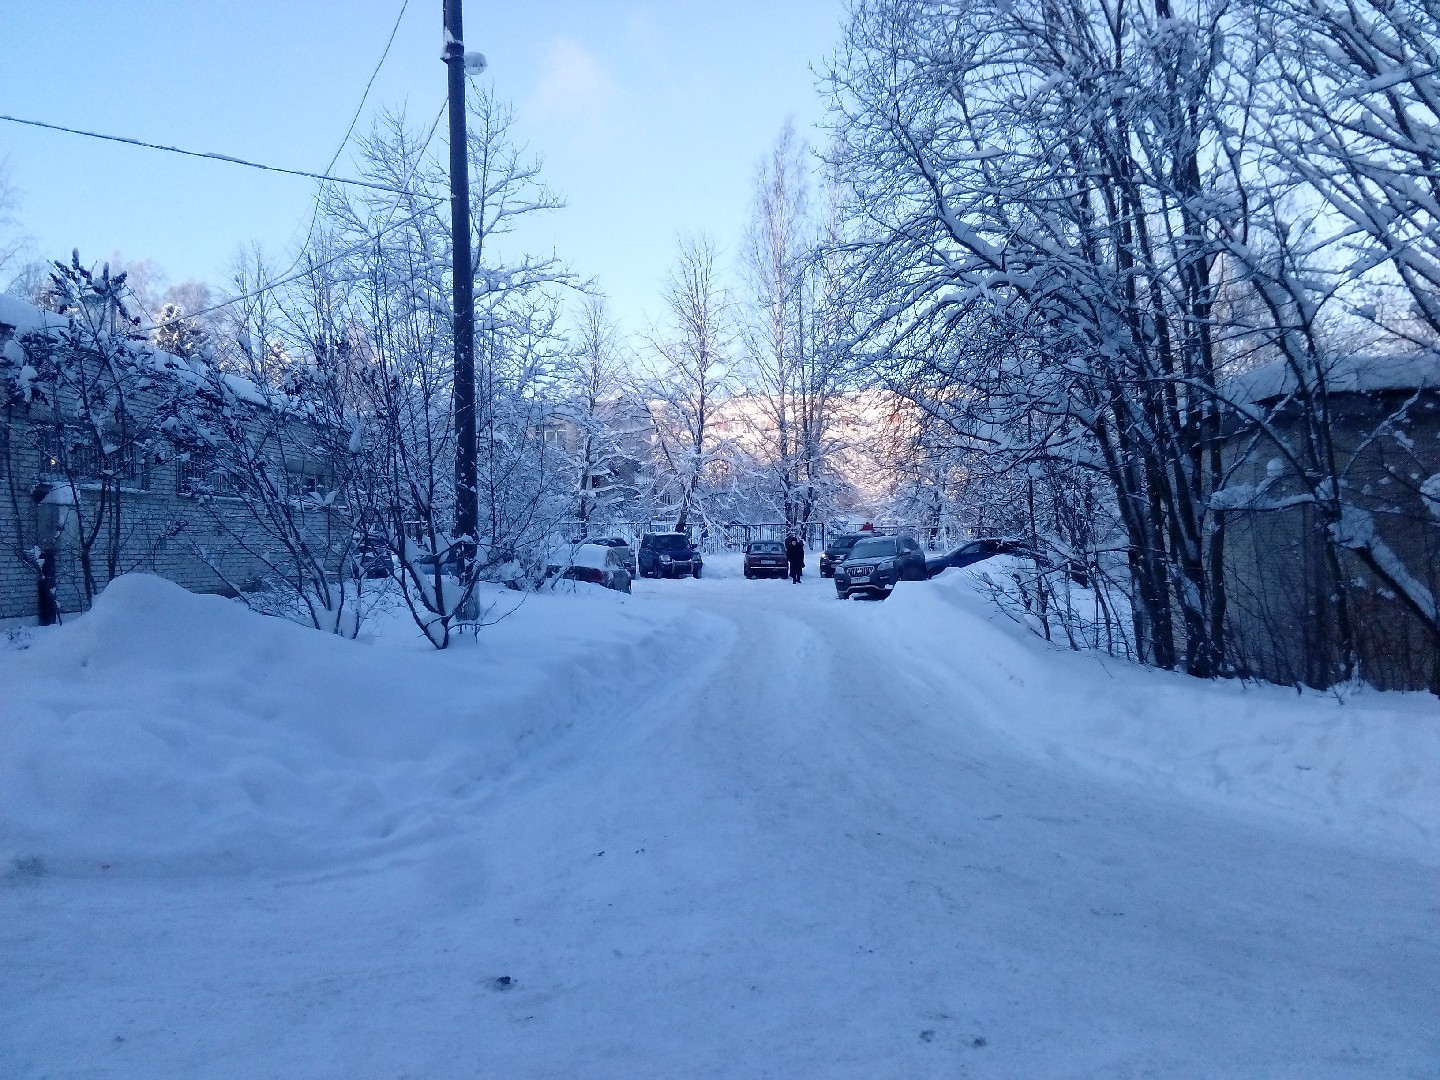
pixel 574 89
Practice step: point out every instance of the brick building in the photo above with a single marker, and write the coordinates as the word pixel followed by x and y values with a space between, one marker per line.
pixel 167 513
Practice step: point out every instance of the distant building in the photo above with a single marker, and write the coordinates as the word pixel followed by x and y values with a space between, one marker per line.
pixel 609 452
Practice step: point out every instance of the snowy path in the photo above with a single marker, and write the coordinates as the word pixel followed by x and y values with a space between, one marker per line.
pixel 801 851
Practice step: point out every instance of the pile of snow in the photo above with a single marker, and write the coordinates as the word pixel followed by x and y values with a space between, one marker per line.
pixel 1362 765
pixel 165 732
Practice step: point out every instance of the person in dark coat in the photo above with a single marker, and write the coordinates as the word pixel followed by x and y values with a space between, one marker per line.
pixel 795 555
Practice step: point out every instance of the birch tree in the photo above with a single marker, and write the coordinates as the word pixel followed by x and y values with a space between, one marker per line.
pixel 793 335
pixel 689 379
pixel 603 470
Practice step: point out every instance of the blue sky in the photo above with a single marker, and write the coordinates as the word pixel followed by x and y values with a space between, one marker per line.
pixel 650 117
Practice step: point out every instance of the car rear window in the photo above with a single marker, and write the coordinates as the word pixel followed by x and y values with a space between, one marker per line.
pixel 873 549
pixel 766 548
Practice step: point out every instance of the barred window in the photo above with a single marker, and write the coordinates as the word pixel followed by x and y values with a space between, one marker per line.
pixel 200 473
pixel 73 454
pixel 314 486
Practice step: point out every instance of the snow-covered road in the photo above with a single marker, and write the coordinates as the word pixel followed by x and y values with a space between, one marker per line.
pixel 792 838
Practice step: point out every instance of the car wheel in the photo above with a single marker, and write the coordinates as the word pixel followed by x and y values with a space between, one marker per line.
pixel 749 574
pixel 696 571
pixel 842 594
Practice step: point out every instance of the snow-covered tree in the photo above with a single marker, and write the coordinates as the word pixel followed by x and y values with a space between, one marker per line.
pixel 287 463
pixel 12 243
pixel 92 399
pixel 1042 166
pixel 792 338
pixel 600 409
pixel 179 334
pixel 688 381
pixel 391 259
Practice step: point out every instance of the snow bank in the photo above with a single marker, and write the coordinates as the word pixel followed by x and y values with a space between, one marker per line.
pixel 169 732
pixel 1362 765
pixel 725 564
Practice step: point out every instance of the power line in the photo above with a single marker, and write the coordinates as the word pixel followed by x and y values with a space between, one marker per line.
pixel 288 277
pixel 365 96
pixel 354 119
pixel 389 211
pixel 387 226
pixel 213 157
pixel 345 254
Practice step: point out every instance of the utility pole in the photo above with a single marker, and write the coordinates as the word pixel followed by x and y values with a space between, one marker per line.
pixel 467 498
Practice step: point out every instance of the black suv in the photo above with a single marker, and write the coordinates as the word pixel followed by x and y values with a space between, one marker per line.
pixel 836 548
pixel 669 554
pixel 876 563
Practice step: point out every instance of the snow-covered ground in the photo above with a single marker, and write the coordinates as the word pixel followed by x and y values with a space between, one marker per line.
pixel 716 828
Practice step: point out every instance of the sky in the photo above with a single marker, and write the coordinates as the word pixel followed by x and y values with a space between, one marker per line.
pixel 649 117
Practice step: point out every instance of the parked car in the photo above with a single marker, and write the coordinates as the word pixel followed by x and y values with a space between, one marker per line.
pixel 447 560
pixel 668 554
pixel 765 558
pixel 619 542
pixel 978 550
pixel 875 564
pixel 836 548
pixel 597 564
pixel 372 557
pixel 973 551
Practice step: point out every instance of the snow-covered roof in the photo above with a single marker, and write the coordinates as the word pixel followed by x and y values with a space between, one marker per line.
pixel 1346 375
pixel 26 318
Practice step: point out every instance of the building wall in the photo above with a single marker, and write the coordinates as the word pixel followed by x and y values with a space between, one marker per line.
pixel 162 531
pixel 1283 593
pixel 158 521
